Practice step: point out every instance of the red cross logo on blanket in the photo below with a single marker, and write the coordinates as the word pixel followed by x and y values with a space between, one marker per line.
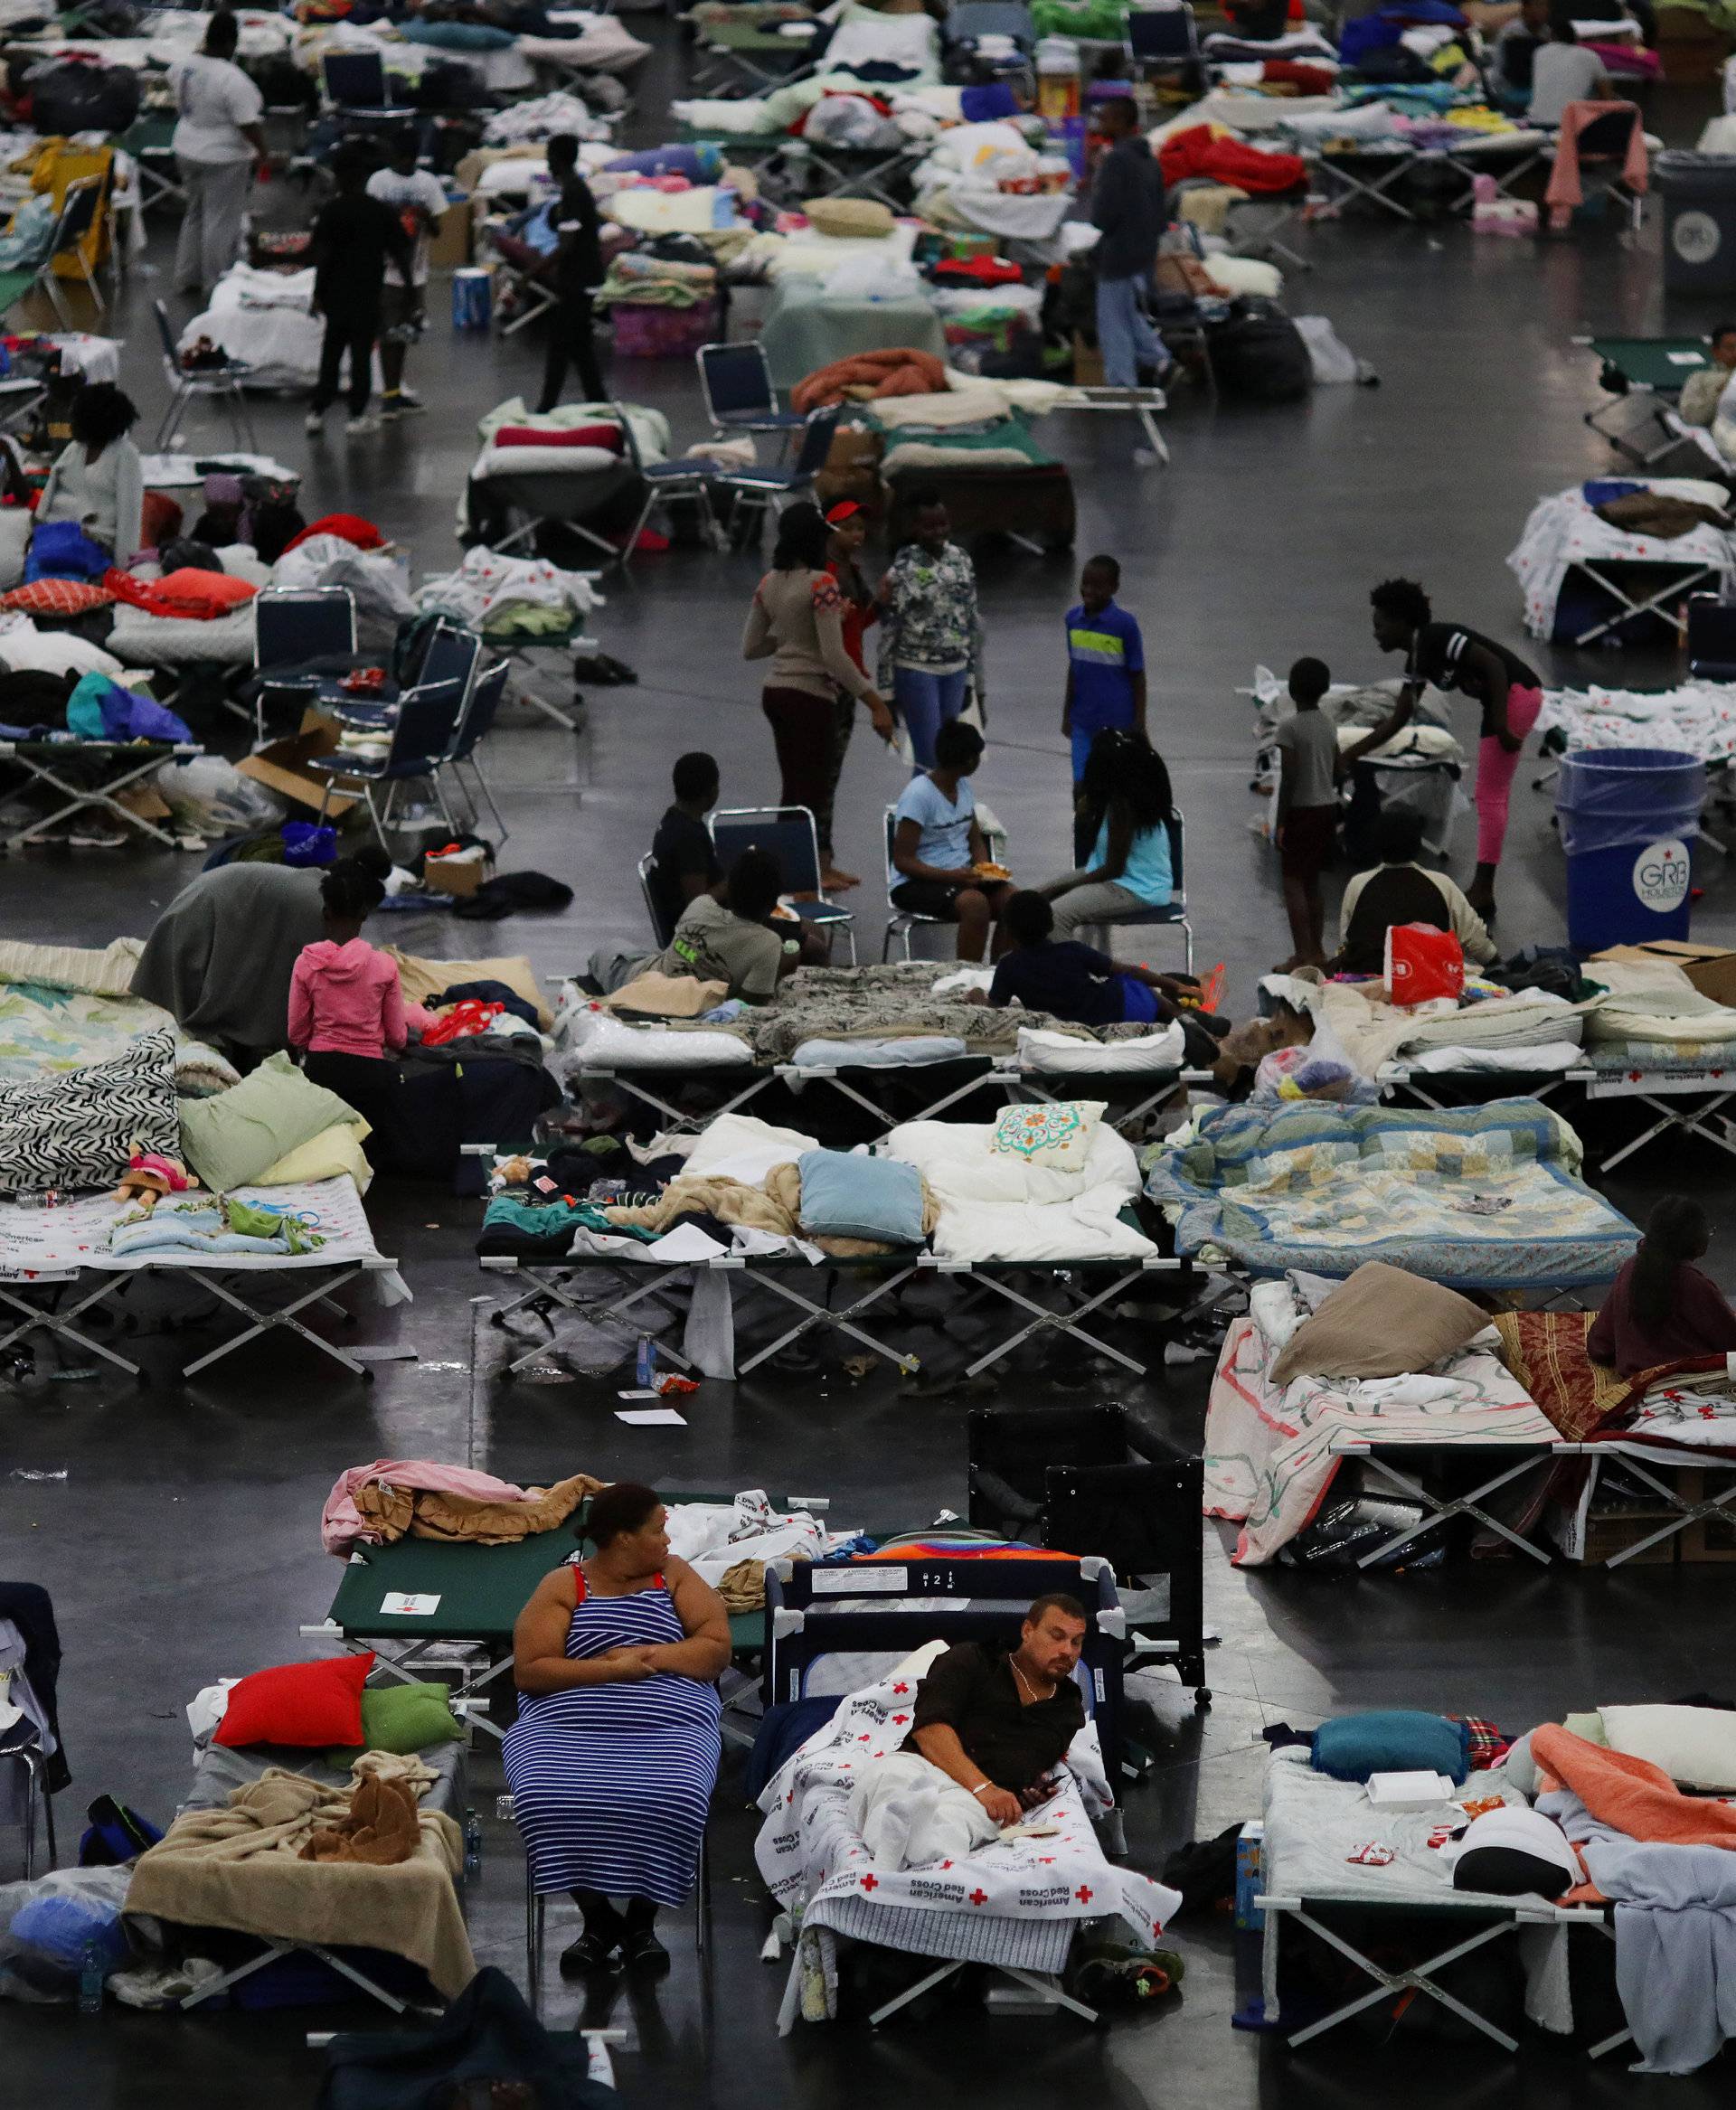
pixel 871 1882
pixel 979 1898
pixel 1046 1861
pixel 945 1864
pixel 900 1719
pixel 1083 1893
pixel 901 1688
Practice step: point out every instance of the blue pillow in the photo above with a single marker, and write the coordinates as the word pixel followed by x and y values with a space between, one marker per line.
pixel 848 1197
pixel 457 36
pixel 1394 1740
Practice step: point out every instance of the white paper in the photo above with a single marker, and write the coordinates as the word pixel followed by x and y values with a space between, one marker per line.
pixel 685 1242
pixel 639 1392
pixel 1686 358
pixel 408 1604
pixel 651 1416
pixel 857 1580
pixel 390 1352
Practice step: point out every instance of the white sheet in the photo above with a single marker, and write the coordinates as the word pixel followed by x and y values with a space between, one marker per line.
pixel 597 1041
pixel 1055 1053
pixel 36 1241
pixel 737 1147
pixel 1564 531
pixel 999 1208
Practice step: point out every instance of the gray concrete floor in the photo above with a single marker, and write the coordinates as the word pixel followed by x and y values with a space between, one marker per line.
pixel 1259 543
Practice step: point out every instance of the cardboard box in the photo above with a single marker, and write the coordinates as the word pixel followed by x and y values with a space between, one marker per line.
pixel 448 248
pixel 459 876
pixel 1088 364
pixel 282 765
pixel 1613 1532
pixel 1712 968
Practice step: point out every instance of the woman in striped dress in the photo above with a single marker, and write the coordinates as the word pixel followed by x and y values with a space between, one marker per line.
pixel 614 1753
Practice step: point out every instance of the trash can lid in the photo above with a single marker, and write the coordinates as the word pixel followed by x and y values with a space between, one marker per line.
pixel 1680 173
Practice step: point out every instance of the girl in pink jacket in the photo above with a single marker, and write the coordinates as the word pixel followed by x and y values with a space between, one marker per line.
pixel 344 995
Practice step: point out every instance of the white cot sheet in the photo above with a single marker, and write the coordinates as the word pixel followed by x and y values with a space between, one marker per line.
pixel 37 1242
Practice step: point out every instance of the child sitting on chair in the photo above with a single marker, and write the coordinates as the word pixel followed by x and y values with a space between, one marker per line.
pixel 1661 1308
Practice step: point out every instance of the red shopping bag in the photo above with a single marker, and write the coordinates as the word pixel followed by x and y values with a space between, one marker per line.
pixel 1422 963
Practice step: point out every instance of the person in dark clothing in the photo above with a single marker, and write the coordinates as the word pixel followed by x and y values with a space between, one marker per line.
pixel 578 272
pixel 1130 212
pixel 353 239
pixel 1661 1308
pixel 686 861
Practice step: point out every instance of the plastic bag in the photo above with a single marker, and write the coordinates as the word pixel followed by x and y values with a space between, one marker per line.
pixel 1331 357
pixel 1423 963
pixel 44 1925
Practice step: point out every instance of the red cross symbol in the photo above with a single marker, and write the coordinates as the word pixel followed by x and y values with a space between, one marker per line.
pixel 945 1864
pixel 864 1738
pixel 901 1688
pixel 1046 1861
pixel 979 1897
pixel 900 1719
pixel 1083 1893
pixel 871 1882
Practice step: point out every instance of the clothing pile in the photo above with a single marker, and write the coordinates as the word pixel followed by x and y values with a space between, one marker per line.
pixel 503 595
pixel 416 1498
pixel 213 1224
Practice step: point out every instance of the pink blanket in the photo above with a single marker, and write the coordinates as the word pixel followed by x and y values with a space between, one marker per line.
pixel 1564 192
pixel 342 1526
pixel 1632 1794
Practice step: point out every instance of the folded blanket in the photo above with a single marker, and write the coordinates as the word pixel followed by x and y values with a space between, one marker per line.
pixel 379 1831
pixel 389 1512
pixel 1631 1794
pixel 899 371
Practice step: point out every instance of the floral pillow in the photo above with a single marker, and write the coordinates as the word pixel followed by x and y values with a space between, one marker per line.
pixel 1057 1135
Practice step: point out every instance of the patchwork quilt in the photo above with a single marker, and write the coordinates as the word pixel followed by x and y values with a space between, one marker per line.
pixel 46 1031
pixel 1485 1197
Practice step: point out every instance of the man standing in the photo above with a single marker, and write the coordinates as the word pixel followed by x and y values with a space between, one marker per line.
pixel 418 196
pixel 578 272
pixel 353 238
pixel 1128 209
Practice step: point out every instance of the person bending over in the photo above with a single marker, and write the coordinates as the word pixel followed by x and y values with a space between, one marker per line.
pixel 990 1727
pixel 1507 692
pixel 939 848
pixel 1402 889
pixel 1661 1307
pixel 614 1755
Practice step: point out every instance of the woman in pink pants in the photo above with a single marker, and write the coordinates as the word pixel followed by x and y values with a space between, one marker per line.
pixel 1507 691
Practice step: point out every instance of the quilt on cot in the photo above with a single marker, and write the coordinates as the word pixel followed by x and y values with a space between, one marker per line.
pixel 1475 1197
pixel 46 1031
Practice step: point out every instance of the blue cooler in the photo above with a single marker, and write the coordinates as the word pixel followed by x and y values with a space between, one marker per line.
pixel 1628 816
pixel 472 300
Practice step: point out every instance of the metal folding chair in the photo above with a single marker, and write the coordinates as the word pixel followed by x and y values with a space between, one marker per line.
pixel 475 721
pixel 1173 913
pixel 293 626
pixel 422 734
pixel 660 930
pixel 212 383
pixel 665 484
pixel 1603 158
pixel 900 922
pixel 1163 37
pixel 789 835
pixel 735 381
pixel 772 489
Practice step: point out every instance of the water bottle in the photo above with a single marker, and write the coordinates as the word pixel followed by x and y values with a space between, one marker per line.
pixel 90 1976
pixel 472 1846
pixel 647 1367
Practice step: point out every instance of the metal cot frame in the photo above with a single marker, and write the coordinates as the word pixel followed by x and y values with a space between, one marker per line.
pixel 123 767
pixel 1658 1091
pixel 1635 360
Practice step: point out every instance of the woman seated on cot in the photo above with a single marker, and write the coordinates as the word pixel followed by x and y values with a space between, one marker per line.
pixel 614 1755
pixel 1661 1307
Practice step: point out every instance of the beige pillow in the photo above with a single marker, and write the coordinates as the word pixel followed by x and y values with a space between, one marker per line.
pixel 1380 1323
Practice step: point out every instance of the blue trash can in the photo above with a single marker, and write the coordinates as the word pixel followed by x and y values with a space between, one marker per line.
pixel 1628 820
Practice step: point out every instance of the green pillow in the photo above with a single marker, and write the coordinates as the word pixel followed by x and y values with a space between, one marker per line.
pixel 230 1139
pixel 402 1719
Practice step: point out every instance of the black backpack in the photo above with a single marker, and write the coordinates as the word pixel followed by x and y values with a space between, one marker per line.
pixel 1258 352
pixel 72 95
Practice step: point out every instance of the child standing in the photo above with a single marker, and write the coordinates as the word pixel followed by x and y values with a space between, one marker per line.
pixel 1106 670
pixel 1308 810
pixel 353 237
pixel 344 997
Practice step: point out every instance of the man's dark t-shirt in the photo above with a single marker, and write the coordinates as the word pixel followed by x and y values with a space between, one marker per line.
pixel 1069 980
pixel 578 262
pixel 353 237
pixel 973 1691
pixel 680 846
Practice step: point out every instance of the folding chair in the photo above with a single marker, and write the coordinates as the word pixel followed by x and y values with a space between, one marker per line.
pixel 72 224
pixel 788 833
pixel 1163 36
pixel 421 737
pixel 736 383
pixel 660 930
pixel 901 922
pixel 293 626
pixel 1603 146
pixel 1173 913
pixel 216 383
pixel 772 489
pixel 147 140
pixel 528 292
pixel 1711 638
pixel 475 721
pixel 665 484
pixel 1091 1476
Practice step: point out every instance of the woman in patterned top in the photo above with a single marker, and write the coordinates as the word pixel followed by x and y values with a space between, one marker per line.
pixel 796 622
pixel 931 632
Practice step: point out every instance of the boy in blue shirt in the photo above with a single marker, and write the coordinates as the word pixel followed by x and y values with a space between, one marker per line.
pixel 1106 666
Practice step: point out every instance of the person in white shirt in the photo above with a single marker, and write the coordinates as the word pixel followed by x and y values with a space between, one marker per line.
pixel 218 142
pixel 1563 72
pixel 419 198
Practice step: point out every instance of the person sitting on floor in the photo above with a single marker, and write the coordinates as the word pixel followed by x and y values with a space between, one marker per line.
pixel 614 1755
pixel 1563 72
pixel 1661 1308
pixel 734 941
pixel 939 849
pixel 684 859
pixel 988 1730
pixel 1401 890
pixel 1122 814
pixel 1087 988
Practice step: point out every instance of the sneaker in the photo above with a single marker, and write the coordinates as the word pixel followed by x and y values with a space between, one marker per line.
pixel 314 424
pixel 402 405
pixel 362 424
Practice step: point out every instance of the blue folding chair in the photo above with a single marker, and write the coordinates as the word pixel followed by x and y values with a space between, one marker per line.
pixel 787 833
pixel 423 731
pixel 475 721
pixel 736 383
pixel 292 628
pixel 667 484
pixel 772 489
pixel 1174 911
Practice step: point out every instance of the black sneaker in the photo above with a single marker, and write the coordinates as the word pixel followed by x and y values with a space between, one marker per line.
pixel 402 405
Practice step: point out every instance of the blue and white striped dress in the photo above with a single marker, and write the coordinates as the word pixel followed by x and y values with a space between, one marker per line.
pixel 611 1784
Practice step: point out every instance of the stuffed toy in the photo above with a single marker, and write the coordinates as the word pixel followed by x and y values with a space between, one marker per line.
pixel 148 1177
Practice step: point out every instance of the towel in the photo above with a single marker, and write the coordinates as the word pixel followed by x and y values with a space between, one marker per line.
pixel 1564 192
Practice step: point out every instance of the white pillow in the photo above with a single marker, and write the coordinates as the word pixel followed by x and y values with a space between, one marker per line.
pixel 738 1147
pixel 1055 1136
pixel 1695 1745
pixel 1042 1051
pixel 56 652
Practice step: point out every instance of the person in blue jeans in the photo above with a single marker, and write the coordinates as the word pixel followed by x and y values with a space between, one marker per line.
pixel 1106 672
pixel 1130 212
pixel 931 632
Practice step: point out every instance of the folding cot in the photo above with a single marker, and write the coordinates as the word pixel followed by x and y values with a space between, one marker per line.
pixel 1585 579
pixel 1372 170
pixel 838 1627
pixel 1650 371
pixel 58 763
pixel 466 1598
pixel 55 1267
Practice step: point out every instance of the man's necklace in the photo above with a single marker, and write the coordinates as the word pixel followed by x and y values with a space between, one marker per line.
pixel 1037 1698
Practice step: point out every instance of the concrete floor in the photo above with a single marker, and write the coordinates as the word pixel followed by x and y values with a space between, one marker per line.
pixel 1257 544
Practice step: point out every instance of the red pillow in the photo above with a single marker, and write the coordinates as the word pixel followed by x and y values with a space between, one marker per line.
pixel 309 1705
pixel 57 597
pixel 190 592
pixel 349 527
pixel 605 436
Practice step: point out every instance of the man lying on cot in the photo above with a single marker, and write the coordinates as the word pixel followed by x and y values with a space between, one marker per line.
pixel 989 1730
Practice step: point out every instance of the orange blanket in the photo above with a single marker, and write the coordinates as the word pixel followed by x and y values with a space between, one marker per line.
pixel 899 371
pixel 1631 1794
